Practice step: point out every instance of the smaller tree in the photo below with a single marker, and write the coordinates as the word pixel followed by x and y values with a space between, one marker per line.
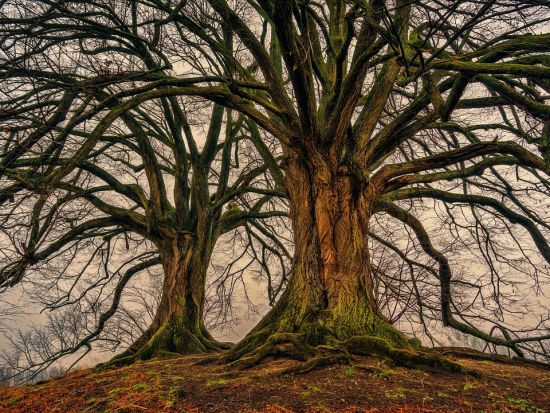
pixel 105 174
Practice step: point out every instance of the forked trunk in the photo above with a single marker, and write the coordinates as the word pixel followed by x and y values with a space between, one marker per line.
pixel 330 297
pixel 178 325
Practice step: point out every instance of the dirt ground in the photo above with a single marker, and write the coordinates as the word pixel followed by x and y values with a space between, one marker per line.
pixel 368 385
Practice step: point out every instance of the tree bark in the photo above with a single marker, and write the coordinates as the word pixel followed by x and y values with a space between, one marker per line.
pixel 330 297
pixel 178 326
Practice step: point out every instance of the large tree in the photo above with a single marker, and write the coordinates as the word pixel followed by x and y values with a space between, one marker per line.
pixel 97 155
pixel 380 107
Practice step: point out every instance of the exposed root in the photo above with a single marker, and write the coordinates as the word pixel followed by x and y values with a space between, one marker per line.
pixel 248 345
pixel 171 340
pixel 366 345
pixel 277 345
pixel 465 352
pixel 222 345
pixel 115 362
pixel 208 359
pixel 320 361
pixel 295 346
pixel 373 369
pixel 126 360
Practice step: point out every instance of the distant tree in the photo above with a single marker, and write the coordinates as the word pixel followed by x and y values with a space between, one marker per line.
pixel 5 376
pixel 105 174
pixel 413 130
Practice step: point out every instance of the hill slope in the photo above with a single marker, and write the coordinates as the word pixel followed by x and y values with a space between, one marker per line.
pixel 180 385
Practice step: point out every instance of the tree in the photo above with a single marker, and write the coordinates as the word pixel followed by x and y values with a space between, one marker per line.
pixel 372 103
pixel 106 174
pixel 380 107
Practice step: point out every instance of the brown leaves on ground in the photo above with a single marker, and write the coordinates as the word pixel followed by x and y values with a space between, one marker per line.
pixel 179 385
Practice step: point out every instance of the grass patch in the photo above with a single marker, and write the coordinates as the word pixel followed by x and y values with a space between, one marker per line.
pixel 13 400
pixel 174 394
pixel 140 386
pixel 383 374
pixel 398 393
pixel 217 382
pixel 468 386
pixel 523 405
pixel 114 391
pixel 102 380
pixel 312 390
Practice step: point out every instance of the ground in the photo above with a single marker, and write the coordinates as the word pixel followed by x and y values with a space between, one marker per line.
pixel 181 384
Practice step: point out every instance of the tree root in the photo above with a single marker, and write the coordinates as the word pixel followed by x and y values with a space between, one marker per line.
pixel 166 344
pixel 319 361
pixel 294 346
pixel 248 345
pixel 465 352
pixel 367 345
pixel 277 345
pixel 115 362
pixel 207 359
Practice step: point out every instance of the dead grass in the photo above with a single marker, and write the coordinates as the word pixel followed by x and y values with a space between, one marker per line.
pixel 369 385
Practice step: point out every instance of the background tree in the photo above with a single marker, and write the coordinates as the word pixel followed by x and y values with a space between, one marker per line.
pixel 107 174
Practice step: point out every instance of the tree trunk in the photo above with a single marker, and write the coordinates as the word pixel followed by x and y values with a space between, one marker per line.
pixel 330 297
pixel 178 325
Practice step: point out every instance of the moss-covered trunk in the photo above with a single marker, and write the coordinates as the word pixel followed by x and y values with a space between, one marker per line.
pixel 330 297
pixel 178 325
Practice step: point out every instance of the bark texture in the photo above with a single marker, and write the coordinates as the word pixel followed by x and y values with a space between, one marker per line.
pixel 178 326
pixel 329 302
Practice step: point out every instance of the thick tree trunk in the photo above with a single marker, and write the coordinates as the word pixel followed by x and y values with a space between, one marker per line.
pixel 178 325
pixel 330 297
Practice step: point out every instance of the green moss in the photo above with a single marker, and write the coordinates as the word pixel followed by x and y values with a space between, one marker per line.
pixel 173 337
pixel 140 386
pixel 176 393
pixel 217 382
pixel 468 386
pixel 351 319
pixel 114 392
pixel 415 343
pixel 248 344
pixel 524 405
pixel 13 400
pixel 398 393
pixel 296 329
pixel 102 380
pixel 368 345
pixel 315 333
pixel 300 329
pixel 383 373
